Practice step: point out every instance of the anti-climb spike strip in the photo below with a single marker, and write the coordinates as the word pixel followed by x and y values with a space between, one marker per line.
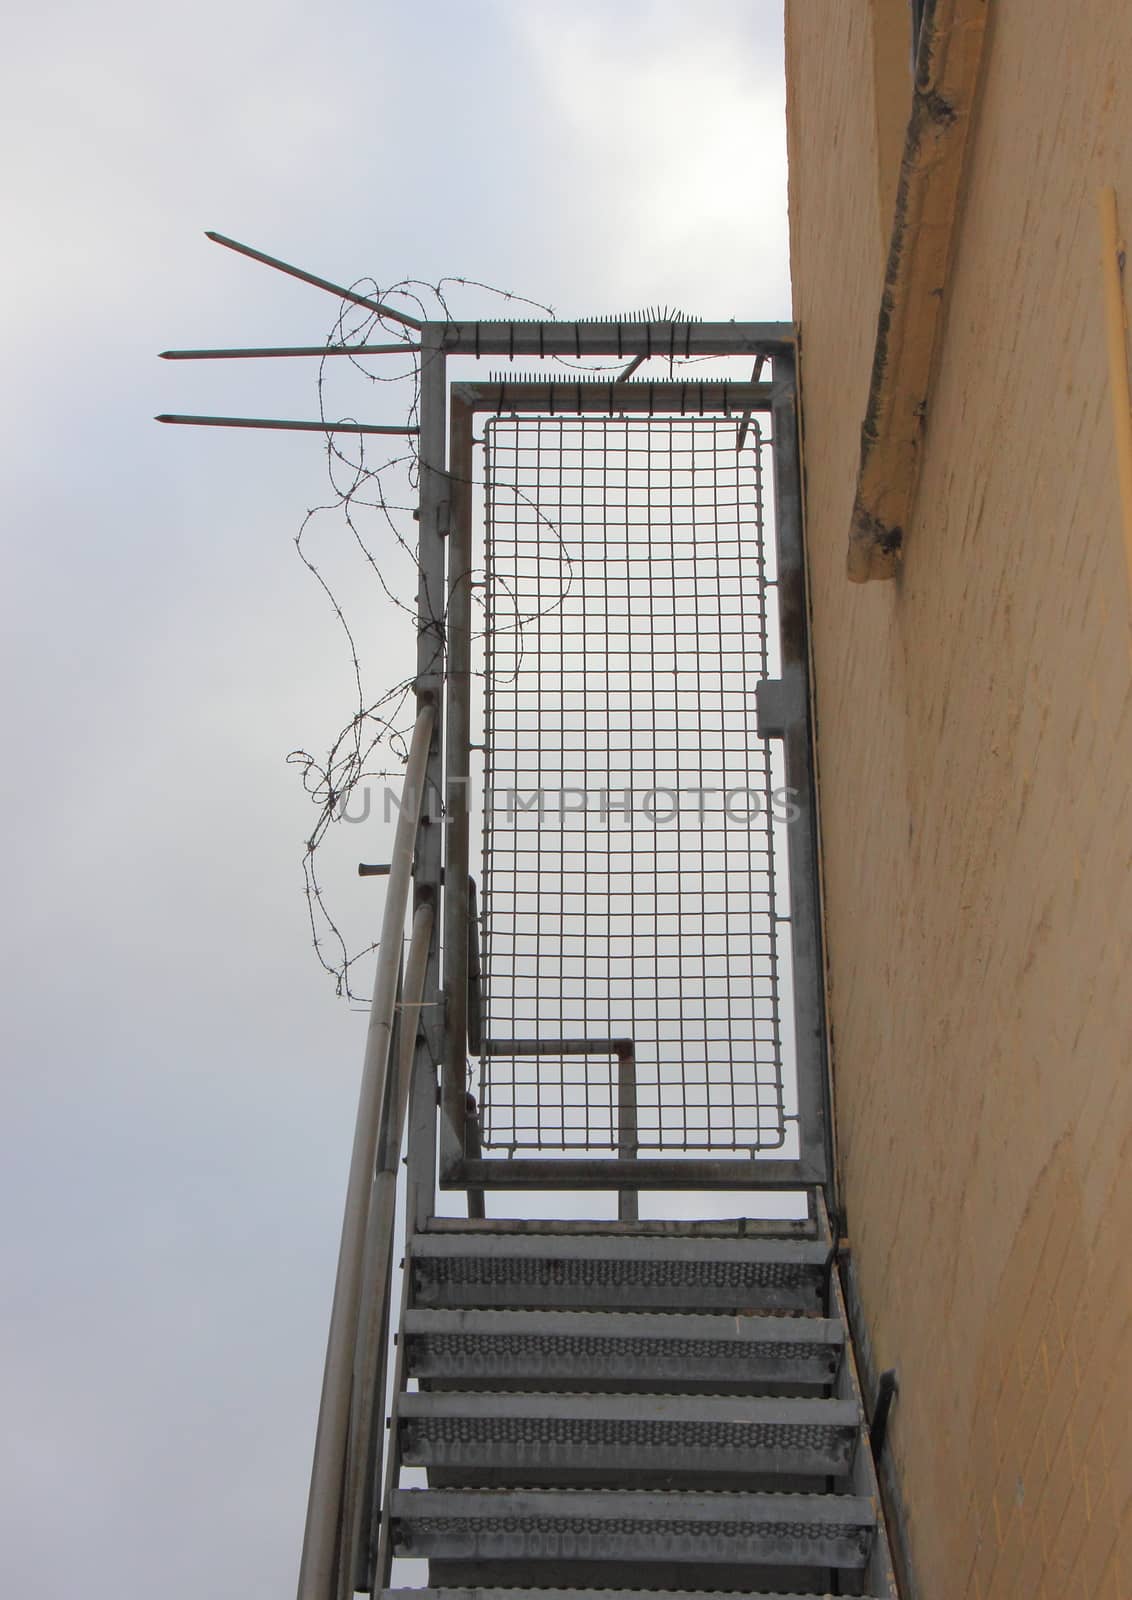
pixel 600 380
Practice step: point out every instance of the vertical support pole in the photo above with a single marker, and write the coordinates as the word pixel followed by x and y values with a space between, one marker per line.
pixel 432 522
pixel 457 777
pixel 802 853
pixel 627 1206
pixel 473 1148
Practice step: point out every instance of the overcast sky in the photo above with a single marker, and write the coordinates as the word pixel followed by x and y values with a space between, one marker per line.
pixel 179 1078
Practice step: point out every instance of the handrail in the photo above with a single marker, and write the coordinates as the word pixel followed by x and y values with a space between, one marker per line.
pixel 364 1460
pixel 333 1475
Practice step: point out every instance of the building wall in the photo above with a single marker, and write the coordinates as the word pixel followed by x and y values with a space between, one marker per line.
pixel 975 752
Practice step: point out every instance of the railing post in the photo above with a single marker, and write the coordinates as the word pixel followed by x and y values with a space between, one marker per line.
pixel 814 1120
pixel 373 1330
pixel 627 1205
pixel 321 1564
pixel 433 518
pixel 458 734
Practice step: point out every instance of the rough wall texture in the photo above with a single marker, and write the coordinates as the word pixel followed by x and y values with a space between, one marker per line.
pixel 975 754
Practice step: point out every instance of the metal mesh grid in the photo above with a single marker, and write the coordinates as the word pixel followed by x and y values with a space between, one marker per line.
pixel 628 876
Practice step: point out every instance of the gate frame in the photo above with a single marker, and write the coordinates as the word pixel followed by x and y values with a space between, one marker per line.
pixel 783 710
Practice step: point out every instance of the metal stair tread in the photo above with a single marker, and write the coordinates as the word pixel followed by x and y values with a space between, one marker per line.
pixel 718 1325
pixel 584 1227
pixel 580 1438
pixel 613 1272
pixel 629 1407
pixel 698 1505
pixel 691 1249
pixel 525 1592
pixel 471 1535
pixel 450 1348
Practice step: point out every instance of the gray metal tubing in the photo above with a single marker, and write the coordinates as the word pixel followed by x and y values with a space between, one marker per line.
pixel 477 1205
pixel 319 350
pixel 319 1564
pixel 475 974
pixel 276 422
pixel 647 1172
pixel 805 927
pixel 627 1206
pixel 373 1322
pixel 416 971
pixel 309 277
pixel 558 1047
pixel 622 339
pixel 614 397
pixel 458 733
pixel 431 605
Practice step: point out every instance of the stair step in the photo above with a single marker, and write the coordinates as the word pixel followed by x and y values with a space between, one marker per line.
pixel 701 1228
pixel 464 1439
pixel 619 1272
pixel 619 1351
pixel 564 1536
pixel 592 1594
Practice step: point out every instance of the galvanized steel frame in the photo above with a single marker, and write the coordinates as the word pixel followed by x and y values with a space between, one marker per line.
pixel 791 721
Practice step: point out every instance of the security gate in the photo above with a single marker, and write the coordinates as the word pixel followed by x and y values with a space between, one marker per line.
pixel 628 869
pixel 626 649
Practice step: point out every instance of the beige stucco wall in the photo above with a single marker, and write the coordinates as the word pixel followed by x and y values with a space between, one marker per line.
pixel 975 755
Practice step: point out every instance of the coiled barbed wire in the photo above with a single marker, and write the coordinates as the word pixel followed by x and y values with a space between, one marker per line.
pixel 375 737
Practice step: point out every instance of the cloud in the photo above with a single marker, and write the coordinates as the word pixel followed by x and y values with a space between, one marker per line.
pixel 672 134
pixel 180 1085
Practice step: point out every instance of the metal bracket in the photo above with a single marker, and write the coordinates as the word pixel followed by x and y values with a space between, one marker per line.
pixel 887 1390
pixel 780 703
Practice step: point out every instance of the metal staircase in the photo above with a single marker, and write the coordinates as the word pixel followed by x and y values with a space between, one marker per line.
pixel 581 1428
pixel 670 1410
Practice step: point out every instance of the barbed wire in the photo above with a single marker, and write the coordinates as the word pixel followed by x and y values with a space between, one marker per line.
pixel 368 486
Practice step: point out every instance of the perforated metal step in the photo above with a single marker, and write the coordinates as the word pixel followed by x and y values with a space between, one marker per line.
pixel 592 1594
pixel 619 1272
pixel 599 1351
pixel 558 1537
pixel 466 1439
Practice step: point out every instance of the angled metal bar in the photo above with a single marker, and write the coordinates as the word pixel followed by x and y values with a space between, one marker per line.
pixel 315 282
pixel 745 424
pixel 321 1558
pixel 291 427
pixel 290 350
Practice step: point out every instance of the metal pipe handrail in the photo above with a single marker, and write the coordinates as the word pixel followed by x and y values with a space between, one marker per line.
pixel 364 1457
pixel 322 1555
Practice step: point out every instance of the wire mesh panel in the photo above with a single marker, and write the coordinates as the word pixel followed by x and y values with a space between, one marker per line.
pixel 630 814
